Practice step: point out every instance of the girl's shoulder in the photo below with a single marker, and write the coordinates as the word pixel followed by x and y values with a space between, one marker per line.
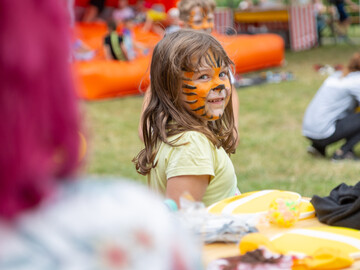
pixel 190 136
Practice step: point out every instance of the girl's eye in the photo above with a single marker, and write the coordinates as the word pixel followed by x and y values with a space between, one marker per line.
pixel 222 74
pixel 203 77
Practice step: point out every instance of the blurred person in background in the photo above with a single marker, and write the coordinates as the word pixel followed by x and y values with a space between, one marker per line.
pixel 48 220
pixel 113 44
pixel 123 12
pixel 93 10
pixel 331 115
pixel 197 14
pixel 173 21
pixel 342 15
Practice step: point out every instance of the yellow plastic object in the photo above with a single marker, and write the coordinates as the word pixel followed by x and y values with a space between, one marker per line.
pixel 156 15
pixel 254 241
pixel 329 258
pixel 261 16
pixel 324 259
pixel 308 240
pixel 283 212
pixel 258 202
pixel 319 255
pixel 307 210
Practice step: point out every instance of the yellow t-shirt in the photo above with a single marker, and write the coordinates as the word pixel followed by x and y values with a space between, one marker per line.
pixel 198 157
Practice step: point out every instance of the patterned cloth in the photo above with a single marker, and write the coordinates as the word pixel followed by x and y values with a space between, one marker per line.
pixel 98 225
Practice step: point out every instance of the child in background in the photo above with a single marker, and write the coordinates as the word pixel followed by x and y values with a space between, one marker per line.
pixel 197 14
pixel 122 47
pixel 188 124
pixel 124 12
pixel 140 9
pixel 93 11
pixel 173 21
pixel 132 47
pixel 113 44
pixel 79 50
pixel 343 17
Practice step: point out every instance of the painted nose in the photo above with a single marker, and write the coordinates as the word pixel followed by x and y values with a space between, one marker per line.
pixel 219 87
pixel 217 82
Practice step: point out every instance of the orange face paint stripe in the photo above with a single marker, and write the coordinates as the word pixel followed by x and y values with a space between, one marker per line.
pixel 191 102
pixel 210 59
pixel 215 63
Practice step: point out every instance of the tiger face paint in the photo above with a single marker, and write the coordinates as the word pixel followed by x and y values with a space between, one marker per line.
pixel 206 92
pixel 200 20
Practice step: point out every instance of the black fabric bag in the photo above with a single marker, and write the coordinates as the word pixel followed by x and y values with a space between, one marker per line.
pixel 341 208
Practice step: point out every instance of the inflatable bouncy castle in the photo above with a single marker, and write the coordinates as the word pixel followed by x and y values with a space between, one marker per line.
pixel 100 78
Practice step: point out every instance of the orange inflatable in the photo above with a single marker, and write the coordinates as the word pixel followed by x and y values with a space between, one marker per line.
pixel 253 52
pixel 100 78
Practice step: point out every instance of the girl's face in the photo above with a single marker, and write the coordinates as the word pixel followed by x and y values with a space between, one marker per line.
pixel 206 92
pixel 200 20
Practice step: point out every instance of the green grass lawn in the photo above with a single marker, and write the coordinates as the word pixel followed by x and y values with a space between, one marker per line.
pixel 272 152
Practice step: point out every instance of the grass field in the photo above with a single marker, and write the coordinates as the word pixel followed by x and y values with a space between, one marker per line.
pixel 272 152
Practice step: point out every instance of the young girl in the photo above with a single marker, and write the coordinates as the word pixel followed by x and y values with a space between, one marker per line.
pixel 196 15
pixel 188 125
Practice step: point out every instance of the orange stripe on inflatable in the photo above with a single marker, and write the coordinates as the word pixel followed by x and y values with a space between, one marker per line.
pixel 100 78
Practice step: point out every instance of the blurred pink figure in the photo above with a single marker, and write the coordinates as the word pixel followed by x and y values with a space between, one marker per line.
pixel 48 221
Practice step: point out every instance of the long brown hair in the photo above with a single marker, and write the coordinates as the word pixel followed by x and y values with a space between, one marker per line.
pixel 166 115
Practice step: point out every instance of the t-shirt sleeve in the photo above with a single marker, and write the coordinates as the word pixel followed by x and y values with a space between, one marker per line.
pixel 194 158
